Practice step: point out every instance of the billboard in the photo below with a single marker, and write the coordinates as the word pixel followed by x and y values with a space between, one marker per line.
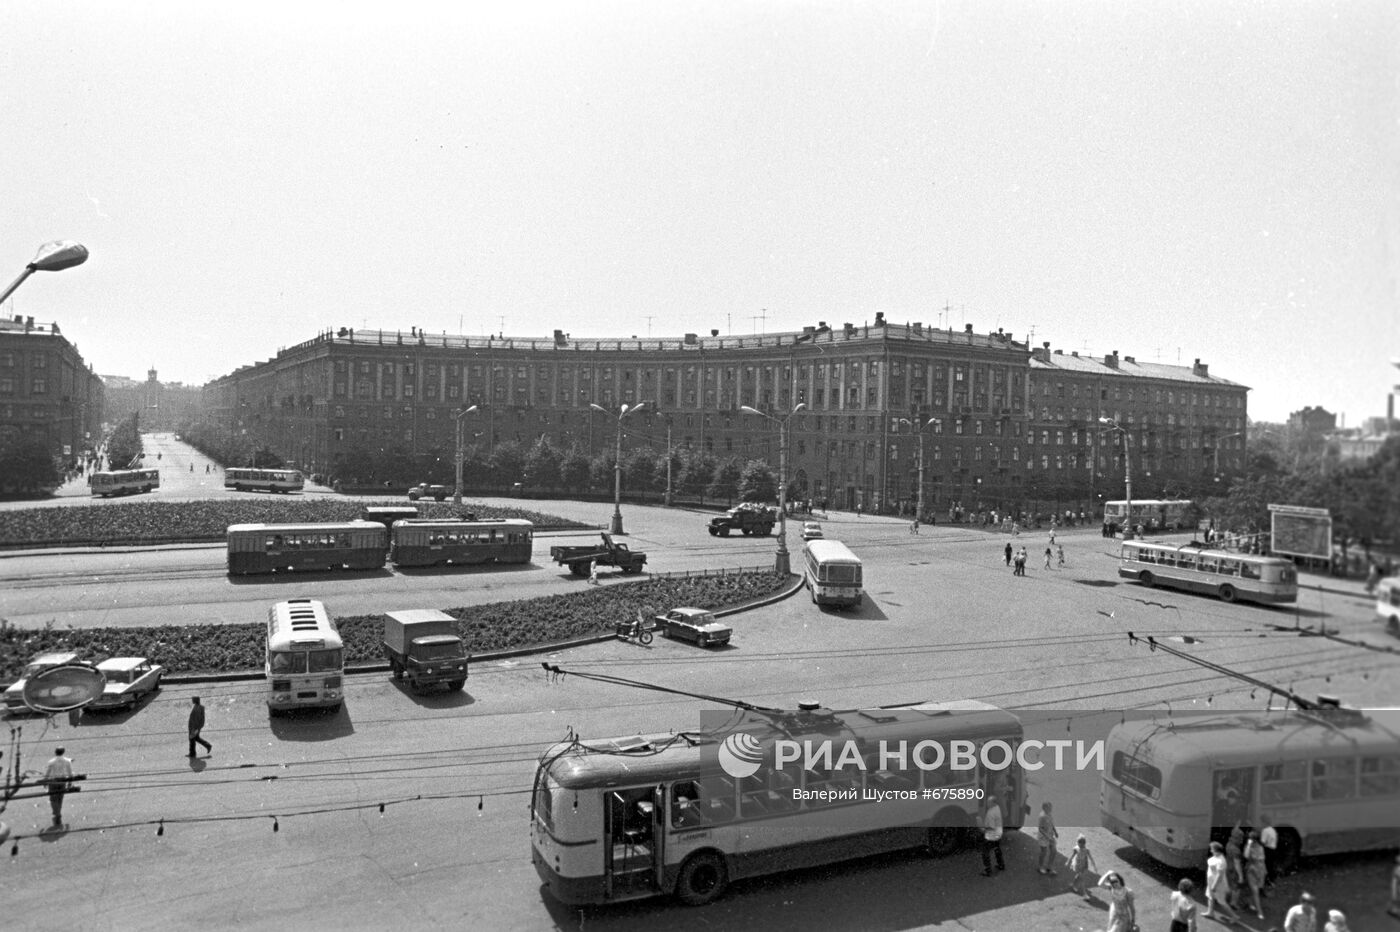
pixel 1301 532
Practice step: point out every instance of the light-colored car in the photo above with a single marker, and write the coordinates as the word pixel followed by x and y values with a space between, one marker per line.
pixel 129 680
pixel 694 624
pixel 811 530
pixel 14 696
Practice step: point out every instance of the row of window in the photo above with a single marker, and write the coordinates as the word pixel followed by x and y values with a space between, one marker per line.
pixel 37 386
pixel 36 361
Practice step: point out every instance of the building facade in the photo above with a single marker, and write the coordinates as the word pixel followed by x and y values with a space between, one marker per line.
pixel 875 401
pixel 46 390
pixel 162 406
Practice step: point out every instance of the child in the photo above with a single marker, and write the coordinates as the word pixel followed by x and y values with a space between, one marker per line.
pixel 1060 553
pixel 1081 864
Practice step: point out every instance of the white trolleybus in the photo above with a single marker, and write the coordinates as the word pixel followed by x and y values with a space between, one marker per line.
pixel 263 480
pixel 1222 573
pixel 1153 514
pixel 627 818
pixel 123 482
pixel 1328 780
pixel 833 574
pixel 305 664
pixel 1388 603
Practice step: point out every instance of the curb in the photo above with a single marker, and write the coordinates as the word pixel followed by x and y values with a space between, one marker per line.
pixel 794 586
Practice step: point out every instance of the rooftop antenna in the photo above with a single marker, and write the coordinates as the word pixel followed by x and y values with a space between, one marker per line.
pixel 503 326
pixel 761 316
pixel 649 318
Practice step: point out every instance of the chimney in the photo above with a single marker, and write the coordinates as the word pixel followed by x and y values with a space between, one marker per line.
pixel 28 323
pixel 879 318
pixel 1129 359
pixel 1111 360
pixel 918 326
pixel 1200 370
pixel 714 332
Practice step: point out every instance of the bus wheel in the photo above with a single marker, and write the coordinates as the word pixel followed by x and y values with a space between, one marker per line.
pixel 1147 580
pixel 950 834
pixel 702 879
pixel 1227 593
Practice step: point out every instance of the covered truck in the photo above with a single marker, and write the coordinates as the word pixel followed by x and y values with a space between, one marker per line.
pixel 748 519
pixel 611 553
pixel 422 644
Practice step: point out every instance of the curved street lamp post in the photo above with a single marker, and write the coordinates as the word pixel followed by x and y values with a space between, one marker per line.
pixel 1127 474
pixel 617 460
pixel 52 257
pixel 919 431
pixel 782 562
pixel 461 454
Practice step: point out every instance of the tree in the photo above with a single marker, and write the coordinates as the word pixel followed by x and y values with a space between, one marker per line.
pixel 574 470
pixel 27 467
pixel 506 464
pixel 697 472
pixel 600 471
pixel 542 464
pixel 725 482
pixel 757 483
pixel 640 470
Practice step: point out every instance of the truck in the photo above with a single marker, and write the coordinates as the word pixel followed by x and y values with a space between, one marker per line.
pixel 747 518
pixel 425 490
pixel 611 553
pixel 422 644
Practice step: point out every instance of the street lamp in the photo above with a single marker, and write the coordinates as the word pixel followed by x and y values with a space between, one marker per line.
pixel 457 493
pixel 52 257
pixel 782 564
pixel 1127 474
pixel 1216 471
pixel 617 461
pixel 919 429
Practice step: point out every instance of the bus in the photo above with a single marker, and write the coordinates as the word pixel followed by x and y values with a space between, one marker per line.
pixel 1328 780
pixel 1153 514
pixel 305 665
pixel 833 573
pixel 272 548
pixel 642 816
pixel 427 542
pixel 1388 603
pixel 123 482
pixel 265 480
pixel 1222 573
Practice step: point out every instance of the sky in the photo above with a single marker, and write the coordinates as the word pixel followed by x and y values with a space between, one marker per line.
pixel 1207 179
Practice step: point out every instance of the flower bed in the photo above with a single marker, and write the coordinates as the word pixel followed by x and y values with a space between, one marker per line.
pixel 154 522
pixel 185 649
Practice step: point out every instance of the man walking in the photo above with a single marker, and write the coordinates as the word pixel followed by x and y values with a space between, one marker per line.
pixel 196 726
pixel 990 822
pixel 57 775
pixel 1009 552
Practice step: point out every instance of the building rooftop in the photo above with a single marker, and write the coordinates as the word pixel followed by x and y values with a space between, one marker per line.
pixel 1125 366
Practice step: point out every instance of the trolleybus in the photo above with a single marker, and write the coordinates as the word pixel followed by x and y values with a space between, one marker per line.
pixel 305 664
pixel 426 542
pixel 1152 514
pixel 1328 780
pixel 832 573
pixel 272 548
pixel 264 480
pixel 1222 573
pixel 1388 603
pixel 634 817
pixel 123 482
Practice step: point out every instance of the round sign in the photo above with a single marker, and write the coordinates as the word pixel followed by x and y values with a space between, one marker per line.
pixel 65 687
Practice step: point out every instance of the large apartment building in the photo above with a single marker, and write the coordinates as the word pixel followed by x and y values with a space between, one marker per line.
pixel 988 417
pixel 46 390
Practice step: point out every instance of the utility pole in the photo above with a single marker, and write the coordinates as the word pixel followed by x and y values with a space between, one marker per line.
pixel 668 466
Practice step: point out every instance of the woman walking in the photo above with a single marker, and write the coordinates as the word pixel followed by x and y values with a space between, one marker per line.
pixel 1254 870
pixel 1218 884
pixel 1122 911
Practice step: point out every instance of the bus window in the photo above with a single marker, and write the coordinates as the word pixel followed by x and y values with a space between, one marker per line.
pixel 1229 567
pixel 323 661
pixel 1250 571
pixel 1380 776
pixel 1283 784
pixel 288 662
pixel 1207 564
pixel 1334 779
pixel 1140 777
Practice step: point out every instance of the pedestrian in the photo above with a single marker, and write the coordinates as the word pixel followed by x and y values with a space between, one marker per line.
pixel 1218 884
pixel 1394 909
pixel 1048 555
pixel 57 775
pixel 1047 835
pixel 1183 907
pixel 1052 534
pixel 196 726
pixel 1081 862
pixel 1234 858
pixel 1268 837
pixel 1254 870
pixel 1009 553
pixel 1336 921
pixel 1021 558
pixel 191 467
pixel 914 526
pixel 1060 554
pixel 593 572
pixel 1122 911
pixel 989 820
pixel 859 508
pixel 1302 917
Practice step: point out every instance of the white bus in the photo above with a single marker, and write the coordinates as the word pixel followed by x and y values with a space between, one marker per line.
pixel 626 818
pixel 1152 513
pixel 266 480
pixel 305 664
pixel 1388 603
pixel 1328 780
pixel 832 573
pixel 1222 573
pixel 123 482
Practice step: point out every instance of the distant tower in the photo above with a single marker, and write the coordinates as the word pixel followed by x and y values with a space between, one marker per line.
pixel 152 392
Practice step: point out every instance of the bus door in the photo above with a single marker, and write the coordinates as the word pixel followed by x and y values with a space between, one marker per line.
pixel 632 860
pixel 1008 788
pixel 1232 798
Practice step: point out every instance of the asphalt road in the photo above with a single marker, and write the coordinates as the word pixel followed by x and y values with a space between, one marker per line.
pixel 944 619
